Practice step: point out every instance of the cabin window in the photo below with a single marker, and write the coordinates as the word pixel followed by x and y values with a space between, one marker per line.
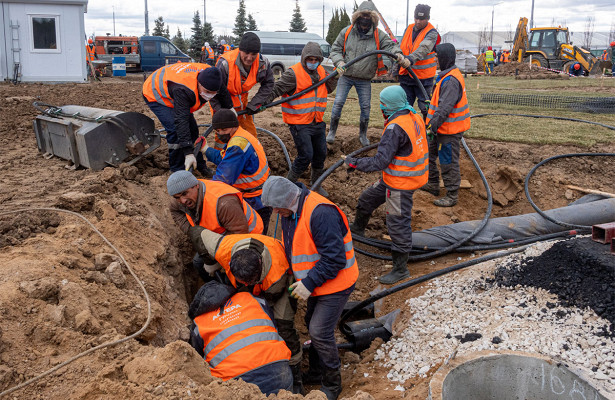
pixel 45 33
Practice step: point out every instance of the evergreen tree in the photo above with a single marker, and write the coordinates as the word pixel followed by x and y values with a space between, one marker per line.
pixel 208 34
pixel 196 40
pixel 297 24
pixel 252 23
pixel 240 22
pixel 179 41
pixel 166 33
pixel 344 19
pixel 332 32
pixel 158 27
pixel 355 7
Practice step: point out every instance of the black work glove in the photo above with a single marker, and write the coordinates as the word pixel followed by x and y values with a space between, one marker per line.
pixel 253 109
pixel 194 233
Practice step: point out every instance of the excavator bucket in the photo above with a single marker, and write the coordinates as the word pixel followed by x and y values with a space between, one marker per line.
pixel 595 69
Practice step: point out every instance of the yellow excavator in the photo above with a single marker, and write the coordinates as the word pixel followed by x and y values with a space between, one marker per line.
pixel 550 47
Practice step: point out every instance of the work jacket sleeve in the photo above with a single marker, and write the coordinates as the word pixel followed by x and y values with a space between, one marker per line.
pixel 450 94
pixel 426 46
pixel 230 215
pixel 337 54
pixel 386 44
pixel 223 98
pixel 331 84
pixel 213 155
pixel 328 231
pixel 232 164
pixel 285 85
pixel 215 102
pixel 179 216
pixel 265 78
pixel 183 99
pixel 196 341
pixel 392 140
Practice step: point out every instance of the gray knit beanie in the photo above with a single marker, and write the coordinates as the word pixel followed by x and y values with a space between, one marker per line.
pixel 279 192
pixel 180 181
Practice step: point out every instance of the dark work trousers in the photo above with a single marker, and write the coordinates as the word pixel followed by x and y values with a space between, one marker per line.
pixel 414 92
pixel 445 148
pixel 311 144
pixel 321 317
pixel 264 212
pixel 176 154
pixel 399 212
pixel 270 378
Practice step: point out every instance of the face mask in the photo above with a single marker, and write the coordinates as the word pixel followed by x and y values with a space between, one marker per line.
pixel 224 138
pixel 207 96
pixel 364 24
pixel 312 66
pixel 384 112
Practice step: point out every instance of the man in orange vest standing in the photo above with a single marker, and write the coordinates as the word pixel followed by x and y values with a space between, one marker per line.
pixel 259 263
pixel 90 55
pixel 212 205
pixel 403 159
pixel 304 115
pixel 235 334
pixel 173 93
pixel 241 69
pixel 242 163
pixel 418 44
pixel 447 120
pixel 318 247
pixel 363 36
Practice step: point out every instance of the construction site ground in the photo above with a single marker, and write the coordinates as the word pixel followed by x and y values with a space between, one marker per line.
pixel 59 297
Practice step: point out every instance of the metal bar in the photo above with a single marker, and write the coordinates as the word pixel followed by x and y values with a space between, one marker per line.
pixel 603 233
pixel 613 246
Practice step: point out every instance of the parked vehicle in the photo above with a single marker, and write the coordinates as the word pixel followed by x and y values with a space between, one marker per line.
pixel 145 53
pixel 283 49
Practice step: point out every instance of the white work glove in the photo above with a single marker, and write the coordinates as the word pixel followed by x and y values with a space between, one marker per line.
pixel 299 291
pixel 210 269
pixel 403 61
pixel 190 161
pixel 341 68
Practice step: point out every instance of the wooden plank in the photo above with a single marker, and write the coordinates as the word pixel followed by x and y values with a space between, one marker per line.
pixel 591 191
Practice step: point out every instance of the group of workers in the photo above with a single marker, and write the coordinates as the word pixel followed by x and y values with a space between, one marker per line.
pixel 243 316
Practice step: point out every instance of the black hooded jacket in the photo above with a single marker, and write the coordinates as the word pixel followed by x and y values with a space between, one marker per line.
pixel 450 89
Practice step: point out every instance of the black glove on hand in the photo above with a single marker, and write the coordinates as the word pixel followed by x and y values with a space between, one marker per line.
pixel 251 109
pixel 194 233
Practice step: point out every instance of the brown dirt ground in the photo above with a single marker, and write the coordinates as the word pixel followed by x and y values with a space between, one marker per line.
pixel 56 299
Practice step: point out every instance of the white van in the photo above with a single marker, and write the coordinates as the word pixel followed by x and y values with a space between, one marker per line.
pixel 283 49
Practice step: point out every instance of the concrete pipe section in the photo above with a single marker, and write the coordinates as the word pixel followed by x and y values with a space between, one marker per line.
pixel 507 375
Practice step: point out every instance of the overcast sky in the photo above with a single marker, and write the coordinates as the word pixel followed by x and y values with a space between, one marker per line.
pixel 446 15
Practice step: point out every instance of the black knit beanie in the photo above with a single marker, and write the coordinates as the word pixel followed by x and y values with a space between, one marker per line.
pixel 250 43
pixel 210 79
pixel 224 119
pixel 421 11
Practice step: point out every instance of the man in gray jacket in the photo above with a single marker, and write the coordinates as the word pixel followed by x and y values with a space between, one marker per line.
pixel 304 115
pixel 357 39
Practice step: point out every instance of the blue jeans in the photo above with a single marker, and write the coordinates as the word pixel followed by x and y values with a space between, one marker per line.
pixel 364 91
pixel 321 317
pixel 270 378
pixel 414 92
pixel 311 145
pixel 176 154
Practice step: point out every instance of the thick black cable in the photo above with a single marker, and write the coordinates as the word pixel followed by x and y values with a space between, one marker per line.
pixel 529 175
pixel 544 116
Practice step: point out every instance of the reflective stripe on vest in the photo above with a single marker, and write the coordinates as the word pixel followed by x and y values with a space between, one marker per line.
pixel 459 119
pixel 210 53
pixel 304 254
pixel 251 185
pixel 489 55
pixel 240 338
pixel 278 268
pixel 309 107
pixel 156 85
pixel 425 68
pixel 212 192
pixel 409 172
pixel 381 70
pixel 238 88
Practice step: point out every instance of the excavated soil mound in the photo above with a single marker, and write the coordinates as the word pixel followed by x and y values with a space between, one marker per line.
pixel 523 71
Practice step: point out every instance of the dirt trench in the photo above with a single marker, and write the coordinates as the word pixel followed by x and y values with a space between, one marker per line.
pixel 61 293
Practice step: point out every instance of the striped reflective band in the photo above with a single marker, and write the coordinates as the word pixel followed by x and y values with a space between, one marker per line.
pixel 417 172
pixel 228 332
pixel 410 164
pixel 306 100
pixel 250 214
pixel 423 66
pixel 453 111
pixel 173 146
pixel 159 76
pixel 461 118
pixel 304 110
pixel 315 257
pixel 258 337
pixel 253 178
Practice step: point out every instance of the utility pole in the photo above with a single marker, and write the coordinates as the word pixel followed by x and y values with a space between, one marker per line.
pixel 113 7
pixel 407 11
pixel 532 16
pixel 204 11
pixel 323 19
pixel 146 22
pixel 492 12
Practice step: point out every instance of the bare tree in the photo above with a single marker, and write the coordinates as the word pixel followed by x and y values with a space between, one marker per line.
pixel 589 32
pixel 483 39
pixel 612 33
pixel 510 34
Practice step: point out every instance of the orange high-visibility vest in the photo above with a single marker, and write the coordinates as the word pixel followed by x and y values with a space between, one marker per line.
pixel 605 56
pixel 156 86
pixel 459 119
pixel 239 337
pixel 210 52
pixel 505 55
pixel 381 68
pixel 212 193
pixel 252 185
pixel 304 254
pixel 409 172
pixel 90 52
pixel 227 48
pixel 279 265
pixel 237 87
pixel 309 107
pixel 425 68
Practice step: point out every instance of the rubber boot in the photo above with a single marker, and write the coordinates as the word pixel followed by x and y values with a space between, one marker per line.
pixel 400 269
pixel 363 132
pixel 433 189
pixel 332 128
pixel 315 175
pixel 292 176
pixel 361 219
pixel 313 375
pixel 297 380
pixel 449 200
pixel 332 383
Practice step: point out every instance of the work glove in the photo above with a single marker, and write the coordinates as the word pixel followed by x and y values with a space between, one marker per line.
pixel 430 135
pixel 403 61
pixel 351 162
pixel 299 291
pixel 190 161
pixel 211 268
pixel 253 109
pixel 341 68
pixel 202 141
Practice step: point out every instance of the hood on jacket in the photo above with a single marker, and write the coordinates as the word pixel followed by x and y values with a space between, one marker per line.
pixel 311 49
pixel 446 55
pixel 366 8
pixel 210 297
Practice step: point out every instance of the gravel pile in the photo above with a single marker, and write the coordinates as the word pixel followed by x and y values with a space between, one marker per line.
pixel 469 312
